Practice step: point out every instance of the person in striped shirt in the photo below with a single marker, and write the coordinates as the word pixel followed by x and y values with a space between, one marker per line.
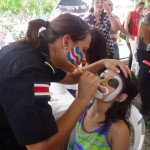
pixel 104 124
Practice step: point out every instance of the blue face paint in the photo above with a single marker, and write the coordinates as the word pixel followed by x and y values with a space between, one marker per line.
pixel 74 55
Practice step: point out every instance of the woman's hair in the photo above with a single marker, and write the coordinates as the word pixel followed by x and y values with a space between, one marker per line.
pixel 121 110
pixel 144 29
pixel 139 4
pixel 61 25
pixel 98 47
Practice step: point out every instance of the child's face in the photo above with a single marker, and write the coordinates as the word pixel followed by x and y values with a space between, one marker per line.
pixel 110 86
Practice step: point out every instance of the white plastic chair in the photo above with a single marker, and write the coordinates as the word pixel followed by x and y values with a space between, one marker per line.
pixel 135 64
pixel 138 124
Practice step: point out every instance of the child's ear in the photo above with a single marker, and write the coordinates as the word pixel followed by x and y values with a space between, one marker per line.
pixel 122 97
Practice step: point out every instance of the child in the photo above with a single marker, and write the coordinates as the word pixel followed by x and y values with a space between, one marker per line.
pixel 104 123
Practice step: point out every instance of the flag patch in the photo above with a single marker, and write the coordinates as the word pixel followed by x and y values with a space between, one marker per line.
pixel 41 90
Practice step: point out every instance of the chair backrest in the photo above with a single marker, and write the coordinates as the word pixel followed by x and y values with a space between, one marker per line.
pixel 138 124
pixel 135 65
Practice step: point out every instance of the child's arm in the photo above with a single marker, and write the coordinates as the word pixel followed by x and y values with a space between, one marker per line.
pixel 119 136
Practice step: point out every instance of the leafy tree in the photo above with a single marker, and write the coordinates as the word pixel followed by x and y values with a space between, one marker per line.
pixel 27 7
pixel 12 11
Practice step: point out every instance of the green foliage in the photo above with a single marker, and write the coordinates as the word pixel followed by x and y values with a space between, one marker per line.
pixel 27 6
pixel 9 5
pixel 17 11
pixel 141 1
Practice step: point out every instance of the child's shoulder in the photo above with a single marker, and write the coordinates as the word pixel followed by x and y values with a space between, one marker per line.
pixel 119 128
pixel 119 136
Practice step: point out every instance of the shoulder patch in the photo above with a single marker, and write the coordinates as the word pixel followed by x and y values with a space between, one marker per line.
pixel 41 90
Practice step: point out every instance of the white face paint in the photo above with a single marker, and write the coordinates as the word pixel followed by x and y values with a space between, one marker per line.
pixel 100 95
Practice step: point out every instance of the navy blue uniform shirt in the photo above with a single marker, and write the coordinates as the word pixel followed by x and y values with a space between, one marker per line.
pixel 25 115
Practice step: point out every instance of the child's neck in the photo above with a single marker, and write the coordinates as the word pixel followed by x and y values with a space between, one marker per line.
pixel 100 107
pixel 95 115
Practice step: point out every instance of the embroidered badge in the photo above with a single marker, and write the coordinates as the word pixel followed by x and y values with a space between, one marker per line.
pixel 41 90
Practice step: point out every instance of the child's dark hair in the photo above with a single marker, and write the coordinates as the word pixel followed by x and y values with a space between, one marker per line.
pixel 121 111
pixel 98 48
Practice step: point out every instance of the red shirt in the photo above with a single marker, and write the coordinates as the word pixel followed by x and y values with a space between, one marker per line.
pixel 134 16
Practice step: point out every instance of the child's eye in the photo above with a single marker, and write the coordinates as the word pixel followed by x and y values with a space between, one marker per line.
pixel 113 83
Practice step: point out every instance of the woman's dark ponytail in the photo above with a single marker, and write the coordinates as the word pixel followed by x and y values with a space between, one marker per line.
pixel 34 26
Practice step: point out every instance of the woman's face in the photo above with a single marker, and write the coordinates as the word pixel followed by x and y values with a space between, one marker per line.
pixel 110 86
pixel 83 45
pixel 98 5
pixel 139 9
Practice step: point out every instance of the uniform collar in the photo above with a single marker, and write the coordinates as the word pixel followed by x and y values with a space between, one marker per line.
pixel 48 62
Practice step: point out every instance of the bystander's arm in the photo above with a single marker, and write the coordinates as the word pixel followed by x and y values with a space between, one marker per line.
pixel 114 24
pixel 124 31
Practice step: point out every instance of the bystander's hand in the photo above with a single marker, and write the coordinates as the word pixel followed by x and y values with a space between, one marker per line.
pixel 131 37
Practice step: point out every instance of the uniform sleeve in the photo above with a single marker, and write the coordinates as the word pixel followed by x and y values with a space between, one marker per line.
pixel 24 99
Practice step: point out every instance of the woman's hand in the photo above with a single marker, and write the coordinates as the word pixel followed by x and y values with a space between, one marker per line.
pixel 131 37
pixel 106 7
pixel 115 64
pixel 88 84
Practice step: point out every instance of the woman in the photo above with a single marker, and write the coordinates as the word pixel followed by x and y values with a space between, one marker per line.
pixel 145 11
pixel 115 33
pixel 133 16
pixel 103 21
pixel 104 123
pixel 143 53
pixel 131 19
pixel 28 67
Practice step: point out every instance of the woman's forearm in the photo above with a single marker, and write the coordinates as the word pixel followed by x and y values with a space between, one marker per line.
pixel 115 26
